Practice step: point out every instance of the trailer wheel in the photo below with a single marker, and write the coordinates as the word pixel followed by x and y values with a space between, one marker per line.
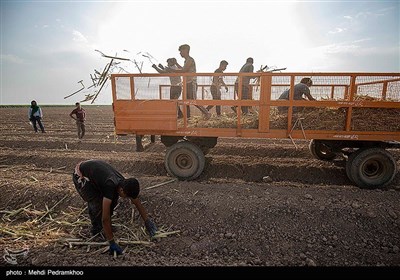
pixel 372 168
pixel 349 164
pixel 184 160
pixel 205 143
pixel 168 141
pixel 205 150
pixel 321 150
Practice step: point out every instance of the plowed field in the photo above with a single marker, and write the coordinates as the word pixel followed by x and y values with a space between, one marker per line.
pixel 304 213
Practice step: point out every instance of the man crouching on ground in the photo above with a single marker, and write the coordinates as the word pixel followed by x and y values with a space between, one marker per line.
pixel 101 185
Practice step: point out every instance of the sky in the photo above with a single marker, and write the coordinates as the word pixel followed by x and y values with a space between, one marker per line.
pixel 47 47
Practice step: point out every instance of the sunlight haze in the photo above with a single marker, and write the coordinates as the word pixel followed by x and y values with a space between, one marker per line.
pixel 48 47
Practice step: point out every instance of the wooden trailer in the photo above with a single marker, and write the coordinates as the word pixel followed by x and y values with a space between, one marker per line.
pixel 356 114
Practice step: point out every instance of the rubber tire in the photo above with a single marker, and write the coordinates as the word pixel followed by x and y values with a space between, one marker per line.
pixel 205 143
pixel 184 160
pixel 168 141
pixel 315 148
pixel 372 168
pixel 349 164
pixel 205 150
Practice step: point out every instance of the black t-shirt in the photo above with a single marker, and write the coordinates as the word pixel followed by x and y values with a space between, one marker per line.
pixel 103 176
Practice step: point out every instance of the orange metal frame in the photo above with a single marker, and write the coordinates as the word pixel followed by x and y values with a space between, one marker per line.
pixel 159 116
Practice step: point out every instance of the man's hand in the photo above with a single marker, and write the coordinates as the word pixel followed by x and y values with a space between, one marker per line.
pixel 151 227
pixel 114 248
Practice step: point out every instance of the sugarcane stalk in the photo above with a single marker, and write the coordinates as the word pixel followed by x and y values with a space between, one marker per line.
pixel 105 249
pixel 33 211
pixel 51 209
pixel 70 239
pixel 6 211
pixel 105 243
pixel 164 234
pixel 34 179
pixel 160 184
pixel 16 212
pixel 80 212
pixel 132 215
pixel 16 233
pixel 101 250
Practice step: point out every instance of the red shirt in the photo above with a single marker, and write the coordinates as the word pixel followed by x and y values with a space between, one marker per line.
pixel 80 114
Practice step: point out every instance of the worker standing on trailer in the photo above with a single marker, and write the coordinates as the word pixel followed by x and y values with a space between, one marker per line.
pixel 215 88
pixel 191 81
pixel 246 88
pixel 176 82
pixel 101 185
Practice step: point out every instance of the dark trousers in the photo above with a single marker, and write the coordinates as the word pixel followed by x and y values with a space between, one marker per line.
pixel 245 95
pixel 80 125
pixel 94 199
pixel 216 95
pixel 191 92
pixel 174 93
pixel 39 121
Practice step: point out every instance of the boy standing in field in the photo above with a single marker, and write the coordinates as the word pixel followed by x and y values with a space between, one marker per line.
pixel 80 117
pixel 35 115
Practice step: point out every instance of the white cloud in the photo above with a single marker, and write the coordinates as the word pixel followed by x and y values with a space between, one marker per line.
pixel 45 26
pixel 371 14
pixel 337 30
pixel 78 37
pixel 340 48
pixel 352 48
pixel 348 17
pixel 11 58
pixel 388 9
pixel 362 40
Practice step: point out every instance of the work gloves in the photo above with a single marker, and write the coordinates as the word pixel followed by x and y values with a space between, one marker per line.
pixel 114 248
pixel 151 227
pixel 159 66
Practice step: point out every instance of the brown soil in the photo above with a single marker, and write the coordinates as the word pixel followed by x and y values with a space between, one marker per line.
pixel 304 213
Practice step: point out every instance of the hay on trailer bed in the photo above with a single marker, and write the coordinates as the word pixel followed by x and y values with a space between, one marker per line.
pixel 313 118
